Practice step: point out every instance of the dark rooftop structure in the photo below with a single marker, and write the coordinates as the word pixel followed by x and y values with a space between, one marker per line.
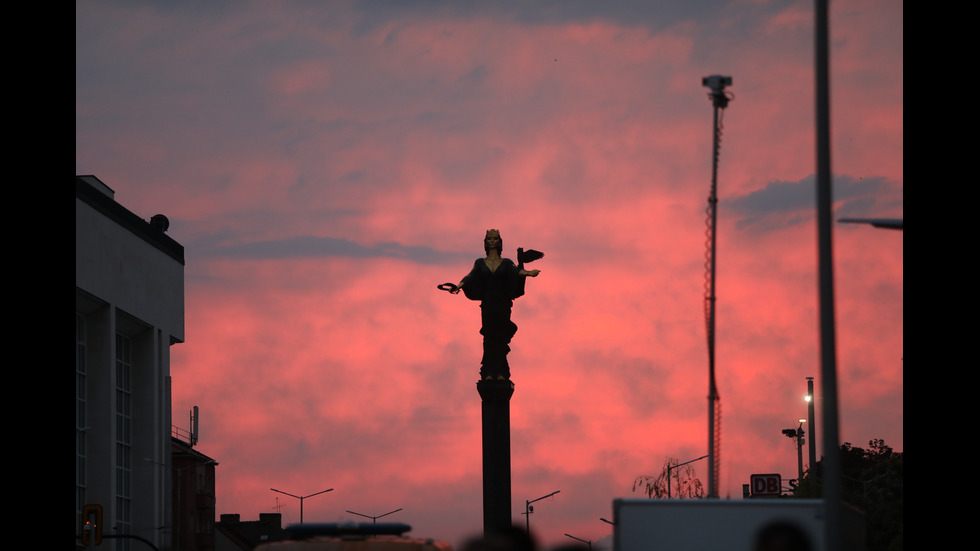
pixel 234 534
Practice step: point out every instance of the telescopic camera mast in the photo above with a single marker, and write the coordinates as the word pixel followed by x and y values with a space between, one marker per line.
pixel 717 84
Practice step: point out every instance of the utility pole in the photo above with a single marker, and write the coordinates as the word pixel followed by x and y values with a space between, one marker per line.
pixel 798 434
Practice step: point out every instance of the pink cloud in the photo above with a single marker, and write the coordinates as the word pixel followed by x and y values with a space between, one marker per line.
pixel 322 359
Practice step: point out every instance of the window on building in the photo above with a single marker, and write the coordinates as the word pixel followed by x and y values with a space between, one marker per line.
pixel 124 437
pixel 81 423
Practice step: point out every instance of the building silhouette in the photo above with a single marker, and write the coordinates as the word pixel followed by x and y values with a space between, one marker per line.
pixel 129 311
pixel 234 534
pixel 194 497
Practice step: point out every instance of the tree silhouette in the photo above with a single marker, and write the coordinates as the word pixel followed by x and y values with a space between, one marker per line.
pixel 683 482
pixel 873 480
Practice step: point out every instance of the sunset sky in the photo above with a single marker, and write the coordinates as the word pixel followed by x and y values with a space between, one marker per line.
pixel 327 164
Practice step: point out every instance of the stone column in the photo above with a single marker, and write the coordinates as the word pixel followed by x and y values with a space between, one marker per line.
pixel 496 396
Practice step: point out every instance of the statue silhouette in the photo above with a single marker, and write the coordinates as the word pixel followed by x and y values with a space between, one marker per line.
pixel 496 282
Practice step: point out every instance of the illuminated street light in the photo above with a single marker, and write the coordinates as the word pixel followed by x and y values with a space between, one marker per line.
pixel 301 498
pixel 812 449
pixel 528 509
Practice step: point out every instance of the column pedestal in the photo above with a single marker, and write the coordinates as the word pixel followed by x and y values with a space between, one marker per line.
pixel 496 396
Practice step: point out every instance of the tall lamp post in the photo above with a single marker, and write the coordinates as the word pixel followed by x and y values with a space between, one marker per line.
pixel 528 509
pixel 301 498
pixel 812 448
pixel 831 484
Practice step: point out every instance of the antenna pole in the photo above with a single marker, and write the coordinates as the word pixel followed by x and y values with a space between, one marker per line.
pixel 195 415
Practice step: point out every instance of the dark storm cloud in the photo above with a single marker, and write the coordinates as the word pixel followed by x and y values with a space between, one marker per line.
pixel 622 12
pixel 781 204
pixel 313 246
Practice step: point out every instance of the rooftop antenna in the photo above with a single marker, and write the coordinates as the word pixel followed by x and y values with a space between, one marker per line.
pixel 719 98
pixel 194 417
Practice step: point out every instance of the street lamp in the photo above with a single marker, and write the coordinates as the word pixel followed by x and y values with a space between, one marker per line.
pixel 607 521
pixel 670 467
pixel 301 498
pixel 374 519
pixel 886 223
pixel 528 509
pixel 581 540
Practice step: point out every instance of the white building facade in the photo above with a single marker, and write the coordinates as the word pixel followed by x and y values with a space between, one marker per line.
pixel 129 311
